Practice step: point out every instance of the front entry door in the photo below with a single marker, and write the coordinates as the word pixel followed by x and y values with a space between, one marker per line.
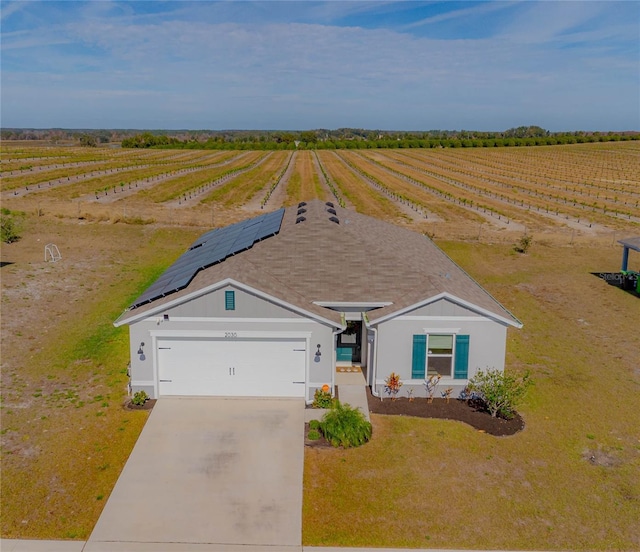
pixel 349 346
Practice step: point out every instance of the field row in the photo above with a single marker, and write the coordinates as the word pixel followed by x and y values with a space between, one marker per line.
pixel 516 188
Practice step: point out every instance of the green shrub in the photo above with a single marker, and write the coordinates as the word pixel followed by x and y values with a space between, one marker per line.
pixel 314 424
pixel 345 426
pixel 9 227
pixel 139 398
pixel 523 245
pixel 500 392
pixel 313 435
pixel 322 399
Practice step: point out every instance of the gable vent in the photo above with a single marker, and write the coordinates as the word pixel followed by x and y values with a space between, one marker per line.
pixel 334 219
pixel 300 219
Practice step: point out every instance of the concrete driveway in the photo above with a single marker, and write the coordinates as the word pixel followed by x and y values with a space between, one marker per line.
pixel 210 471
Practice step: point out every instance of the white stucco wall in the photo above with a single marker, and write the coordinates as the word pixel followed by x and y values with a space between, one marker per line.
pixel 208 314
pixel 487 343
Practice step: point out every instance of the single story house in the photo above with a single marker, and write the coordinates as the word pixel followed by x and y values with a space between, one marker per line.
pixel 273 306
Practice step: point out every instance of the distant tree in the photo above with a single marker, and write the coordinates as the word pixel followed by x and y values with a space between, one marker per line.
pixel 87 140
pixel 308 136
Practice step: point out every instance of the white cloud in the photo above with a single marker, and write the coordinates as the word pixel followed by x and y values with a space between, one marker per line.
pixel 158 71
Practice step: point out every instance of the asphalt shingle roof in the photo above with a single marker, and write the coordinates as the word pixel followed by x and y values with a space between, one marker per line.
pixel 360 260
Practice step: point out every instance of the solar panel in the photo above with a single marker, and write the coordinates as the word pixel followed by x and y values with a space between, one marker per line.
pixel 179 282
pixel 211 248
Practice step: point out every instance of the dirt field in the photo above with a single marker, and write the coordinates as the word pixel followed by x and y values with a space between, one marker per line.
pixel 569 480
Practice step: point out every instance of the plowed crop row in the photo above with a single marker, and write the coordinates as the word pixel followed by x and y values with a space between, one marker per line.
pixel 31 181
pixel 363 197
pixel 304 183
pixel 405 191
pixel 166 191
pixel 240 190
pixel 520 194
pixel 17 167
pixel 577 185
pixel 601 169
pixel 103 181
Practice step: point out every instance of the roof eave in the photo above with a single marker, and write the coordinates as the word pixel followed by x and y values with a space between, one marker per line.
pixel 507 321
pixel 123 319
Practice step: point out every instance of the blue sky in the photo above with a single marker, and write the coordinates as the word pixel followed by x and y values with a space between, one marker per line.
pixel 303 65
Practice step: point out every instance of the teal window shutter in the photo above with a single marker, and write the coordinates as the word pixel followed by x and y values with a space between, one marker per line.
pixel 229 300
pixel 461 368
pixel 419 358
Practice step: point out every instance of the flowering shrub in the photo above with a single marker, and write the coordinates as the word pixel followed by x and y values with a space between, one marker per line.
pixel 500 392
pixel 431 383
pixel 322 399
pixel 392 385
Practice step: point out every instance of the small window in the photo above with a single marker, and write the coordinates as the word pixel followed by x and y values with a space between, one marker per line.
pixel 440 355
pixel 229 300
pixel 446 355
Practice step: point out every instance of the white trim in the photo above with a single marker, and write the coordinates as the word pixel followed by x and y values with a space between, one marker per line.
pixel 140 383
pixel 443 381
pixel 444 295
pixel 408 317
pixel 353 316
pixel 238 334
pixel 234 320
pixel 214 287
pixel 437 331
pixel 350 304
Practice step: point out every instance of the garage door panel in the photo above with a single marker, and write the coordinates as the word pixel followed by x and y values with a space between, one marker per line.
pixel 252 367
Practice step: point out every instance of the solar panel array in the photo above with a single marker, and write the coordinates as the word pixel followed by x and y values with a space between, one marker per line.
pixel 212 248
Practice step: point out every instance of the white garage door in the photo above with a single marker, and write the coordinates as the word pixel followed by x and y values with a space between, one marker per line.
pixel 226 368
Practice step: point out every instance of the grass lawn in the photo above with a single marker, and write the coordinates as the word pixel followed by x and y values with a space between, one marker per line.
pixel 65 434
pixel 570 480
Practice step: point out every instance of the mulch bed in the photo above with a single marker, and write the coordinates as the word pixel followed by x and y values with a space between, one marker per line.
pixel 148 405
pixel 320 443
pixel 469 412
pixel 472 413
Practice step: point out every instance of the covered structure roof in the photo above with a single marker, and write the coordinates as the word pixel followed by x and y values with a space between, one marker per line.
pixel 629 243
pixel 324 255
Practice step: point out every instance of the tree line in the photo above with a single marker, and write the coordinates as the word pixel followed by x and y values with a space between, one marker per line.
pixel 340 138
pixel 304 141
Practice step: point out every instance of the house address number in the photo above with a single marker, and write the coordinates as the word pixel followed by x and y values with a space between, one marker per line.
pixel 231 334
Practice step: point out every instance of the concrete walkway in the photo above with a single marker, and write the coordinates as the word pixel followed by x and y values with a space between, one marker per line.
pixel 209 474
pixel 352 390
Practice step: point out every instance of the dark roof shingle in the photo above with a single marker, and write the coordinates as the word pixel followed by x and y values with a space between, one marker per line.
pixel 357 259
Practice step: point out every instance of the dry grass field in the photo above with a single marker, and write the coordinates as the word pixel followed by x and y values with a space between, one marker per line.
pixel 568 481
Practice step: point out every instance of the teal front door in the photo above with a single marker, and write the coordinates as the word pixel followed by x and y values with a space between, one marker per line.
pixel 349 345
